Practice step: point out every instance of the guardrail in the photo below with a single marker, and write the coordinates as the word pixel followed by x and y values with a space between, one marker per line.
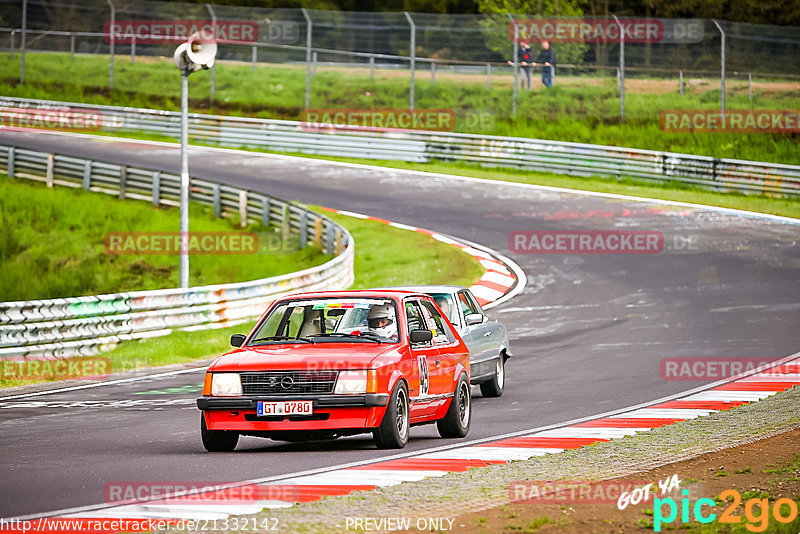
pixel 67 327
pixel 423 146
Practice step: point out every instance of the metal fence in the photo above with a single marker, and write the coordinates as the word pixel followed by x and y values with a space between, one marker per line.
pixel 68 327
pixel 618 56
pixel 541 155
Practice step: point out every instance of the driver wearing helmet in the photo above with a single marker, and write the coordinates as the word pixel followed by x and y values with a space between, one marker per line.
pixel 381 320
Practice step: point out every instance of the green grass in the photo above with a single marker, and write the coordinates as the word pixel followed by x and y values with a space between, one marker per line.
pixel 423 261
pixel 52 245
pixel 571 111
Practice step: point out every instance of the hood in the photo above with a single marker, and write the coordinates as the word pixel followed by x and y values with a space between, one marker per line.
pixel 334 356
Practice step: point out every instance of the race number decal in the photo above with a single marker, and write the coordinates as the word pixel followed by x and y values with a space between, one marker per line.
pixel 423 375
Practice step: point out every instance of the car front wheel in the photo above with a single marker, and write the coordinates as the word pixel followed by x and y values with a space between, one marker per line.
pixel 494 387
pixel 455 423
pixel 393 431
pixel 217 440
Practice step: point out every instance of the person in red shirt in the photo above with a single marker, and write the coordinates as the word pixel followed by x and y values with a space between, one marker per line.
pixel 525 58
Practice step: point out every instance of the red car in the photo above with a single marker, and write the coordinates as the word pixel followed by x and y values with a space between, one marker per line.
pixel 329 364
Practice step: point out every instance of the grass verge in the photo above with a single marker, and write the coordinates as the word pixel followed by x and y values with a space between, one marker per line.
pixel 52 245
pixel 577 109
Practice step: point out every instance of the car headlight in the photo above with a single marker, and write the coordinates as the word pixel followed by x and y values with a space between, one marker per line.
pixel 351 382
pixel 226 385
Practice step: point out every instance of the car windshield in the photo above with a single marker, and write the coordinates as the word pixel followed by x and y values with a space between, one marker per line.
pixel 333 319
pixel 445 302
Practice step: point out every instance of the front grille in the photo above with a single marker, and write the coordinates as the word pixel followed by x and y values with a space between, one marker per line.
pixel 288 382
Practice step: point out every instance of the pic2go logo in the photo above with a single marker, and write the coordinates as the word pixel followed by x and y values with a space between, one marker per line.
pixel 757 520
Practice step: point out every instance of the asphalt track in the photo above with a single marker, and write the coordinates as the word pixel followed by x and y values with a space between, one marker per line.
pixel 588 332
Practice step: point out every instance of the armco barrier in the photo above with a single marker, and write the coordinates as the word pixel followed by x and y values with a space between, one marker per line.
pixel 86 325
pixel 420 146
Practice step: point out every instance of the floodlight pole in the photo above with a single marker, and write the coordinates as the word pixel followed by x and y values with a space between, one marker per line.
pixel 184 269
pixel 722 70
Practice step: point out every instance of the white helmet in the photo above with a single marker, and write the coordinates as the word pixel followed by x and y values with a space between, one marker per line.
pixel 381 321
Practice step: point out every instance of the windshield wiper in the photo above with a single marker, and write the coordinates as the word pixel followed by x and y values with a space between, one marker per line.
pixel 283 338
pixel 370 336
pixel 348 336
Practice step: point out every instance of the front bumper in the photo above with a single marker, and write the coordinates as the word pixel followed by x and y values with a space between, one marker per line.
pixel 331 412
pixel 370 400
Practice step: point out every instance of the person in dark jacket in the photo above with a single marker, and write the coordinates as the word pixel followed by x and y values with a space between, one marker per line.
pixel 525 58
pixel 548 58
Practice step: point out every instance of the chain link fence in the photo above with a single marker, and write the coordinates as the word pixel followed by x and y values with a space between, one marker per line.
pixel 607 69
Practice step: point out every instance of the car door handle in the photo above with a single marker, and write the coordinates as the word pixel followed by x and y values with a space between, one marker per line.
pixel 437 362
pixel 487 334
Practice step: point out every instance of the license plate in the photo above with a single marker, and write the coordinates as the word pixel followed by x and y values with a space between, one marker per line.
pixel 284 408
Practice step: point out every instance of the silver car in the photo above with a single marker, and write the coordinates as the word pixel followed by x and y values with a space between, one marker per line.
pixel 486 339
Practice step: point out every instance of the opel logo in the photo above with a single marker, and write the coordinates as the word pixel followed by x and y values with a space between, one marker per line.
pixel 287 382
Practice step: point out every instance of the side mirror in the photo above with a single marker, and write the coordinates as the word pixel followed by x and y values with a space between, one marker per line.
pixel 473 318
pixel 421 336
pixel 237 340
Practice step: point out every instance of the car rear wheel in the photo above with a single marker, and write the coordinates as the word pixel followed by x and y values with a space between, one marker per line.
pixel 494 386
pixel 217 440
pixel 455 423
pixel 393 432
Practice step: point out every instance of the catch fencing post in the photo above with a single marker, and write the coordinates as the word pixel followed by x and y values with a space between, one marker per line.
pixel 23 42
pixel 621 69
pixel 72 46
pixel 722 73
pixel 488 76
pixel 413 54
pixel 516 63
pixel 433 73
pixel 111 44
pixel 214 66
pixel 371 67
pixel 133 49
pixel 254 58
pixel 750 86
pixel 680 72
pixel 308 57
